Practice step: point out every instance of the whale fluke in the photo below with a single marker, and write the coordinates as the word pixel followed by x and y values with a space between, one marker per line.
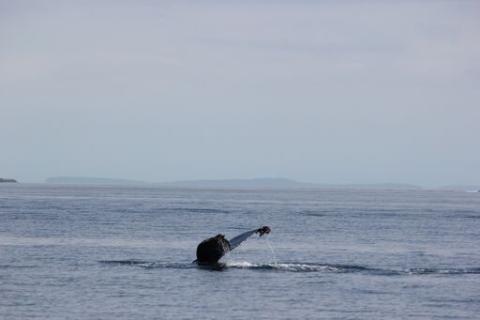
pixel 210 250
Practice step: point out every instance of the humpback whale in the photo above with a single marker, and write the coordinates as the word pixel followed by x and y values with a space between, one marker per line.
pixel 210 250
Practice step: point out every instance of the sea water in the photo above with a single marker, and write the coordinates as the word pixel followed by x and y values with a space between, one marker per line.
pixel 125 252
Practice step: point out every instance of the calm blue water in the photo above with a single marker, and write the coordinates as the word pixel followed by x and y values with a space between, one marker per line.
pixel 79 252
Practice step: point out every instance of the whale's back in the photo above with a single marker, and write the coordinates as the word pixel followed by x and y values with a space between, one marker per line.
pixel 209 251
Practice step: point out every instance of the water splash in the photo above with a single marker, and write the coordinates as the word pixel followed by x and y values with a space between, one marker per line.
pixel 289 267
pixel 274 256
pixel 294 267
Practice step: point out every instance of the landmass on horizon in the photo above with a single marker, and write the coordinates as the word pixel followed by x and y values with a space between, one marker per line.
pixel 4 180
pixel 91 180
pixel 252 183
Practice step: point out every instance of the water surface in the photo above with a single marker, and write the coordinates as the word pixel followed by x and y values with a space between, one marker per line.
pixel 113 252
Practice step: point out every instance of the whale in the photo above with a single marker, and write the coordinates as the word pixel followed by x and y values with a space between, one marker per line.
pixel 211 250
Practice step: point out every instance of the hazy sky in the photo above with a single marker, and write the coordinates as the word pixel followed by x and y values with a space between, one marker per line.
pixel 318 91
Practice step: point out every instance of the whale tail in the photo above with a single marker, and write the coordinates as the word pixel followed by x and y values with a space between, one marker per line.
pixel 235 242
pixel 209 251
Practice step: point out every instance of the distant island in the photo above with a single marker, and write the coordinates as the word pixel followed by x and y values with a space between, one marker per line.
pixel 259 183
pixel 91 180
pixel 3 180
pixel 248 184
pixel 278 183
pixel 256 183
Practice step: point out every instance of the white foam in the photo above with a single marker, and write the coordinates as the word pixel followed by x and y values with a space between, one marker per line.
pixel 240 264
pixel 293 267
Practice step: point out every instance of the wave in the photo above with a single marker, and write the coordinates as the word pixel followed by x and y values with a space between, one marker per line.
pixel 341 268
pixel 15 266
pixel 295 267
pixel 149 264
pixel 453 271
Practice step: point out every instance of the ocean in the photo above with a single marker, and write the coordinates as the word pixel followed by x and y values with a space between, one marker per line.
pixel 126 252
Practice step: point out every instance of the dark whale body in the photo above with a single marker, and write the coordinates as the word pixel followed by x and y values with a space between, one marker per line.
pixel 210 250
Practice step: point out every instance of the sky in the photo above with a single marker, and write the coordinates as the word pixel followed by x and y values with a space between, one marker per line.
pixel 317 91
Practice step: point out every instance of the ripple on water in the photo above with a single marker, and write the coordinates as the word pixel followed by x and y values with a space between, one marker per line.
pixel 294 267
